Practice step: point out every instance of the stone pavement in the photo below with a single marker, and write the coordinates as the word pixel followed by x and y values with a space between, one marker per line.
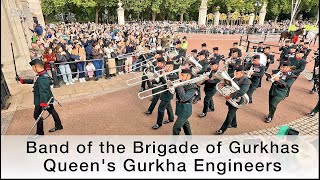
pixel 305 125
pixel 24 98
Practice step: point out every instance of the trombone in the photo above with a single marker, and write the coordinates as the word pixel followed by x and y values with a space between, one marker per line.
pixel 150 75
pixel 172 85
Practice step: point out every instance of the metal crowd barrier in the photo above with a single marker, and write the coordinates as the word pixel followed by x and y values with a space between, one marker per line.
pixel 105 67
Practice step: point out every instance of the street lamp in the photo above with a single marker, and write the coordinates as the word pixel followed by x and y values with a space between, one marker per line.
pixel 257 5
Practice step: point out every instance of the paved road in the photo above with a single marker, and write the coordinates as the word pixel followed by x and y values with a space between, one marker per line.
pixel 121 112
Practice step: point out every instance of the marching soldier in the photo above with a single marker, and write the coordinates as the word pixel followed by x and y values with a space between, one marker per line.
pixel 156 82
pixel 210 88
pixel 166 98
pixel 283 80
pixel 290 54
pixel 255 76
pixel 315 109
pixel 315 72
pixel 235 47
pixel 145 57
pixel 270 60
pixel 204 63
pixel 204 48
pixel 233 61
pixel 216 54
pixel 260 47
pixel 184 96
pixel 194 52
pixel 42 94
pixel 270 57
pixel 244 83
pixel 178 60
pixel 298 64
pixel 285 49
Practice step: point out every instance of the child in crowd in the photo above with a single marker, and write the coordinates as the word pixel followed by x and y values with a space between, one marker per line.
pixel 90 70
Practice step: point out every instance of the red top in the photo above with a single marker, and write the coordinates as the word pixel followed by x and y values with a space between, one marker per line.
pixel 49 57
pixel 295 39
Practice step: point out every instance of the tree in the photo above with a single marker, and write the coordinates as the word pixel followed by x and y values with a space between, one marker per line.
pixel 137 6
pixel 155 7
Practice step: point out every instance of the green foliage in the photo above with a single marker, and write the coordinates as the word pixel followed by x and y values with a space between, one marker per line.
pixel 170 9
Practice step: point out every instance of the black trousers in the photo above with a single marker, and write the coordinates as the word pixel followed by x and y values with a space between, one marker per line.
pixel 208 102
pixel 154 101
pixel 198 96
pixel 52 111
pixel 231 118
pixel 162 106
pixel 273 103
pixel 144 83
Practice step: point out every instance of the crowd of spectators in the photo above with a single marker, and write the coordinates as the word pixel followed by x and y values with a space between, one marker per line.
pixel 84 51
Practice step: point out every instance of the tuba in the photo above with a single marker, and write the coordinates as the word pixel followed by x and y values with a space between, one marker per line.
pixel 196 67
pixel 223 75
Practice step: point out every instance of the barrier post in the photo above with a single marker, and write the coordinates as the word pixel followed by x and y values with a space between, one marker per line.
pixel 54 75
pixel 240 41
pixel 248 45
pixel 247 37
pixel 106 66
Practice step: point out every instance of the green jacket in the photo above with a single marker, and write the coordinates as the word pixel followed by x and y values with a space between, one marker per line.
pixel 244 84
pixel 41 88
pixel 258 72
pixel 280 88
pixel 184 97
pixel 232 65
pixel 167 96
pixel 298 65
pixel 205 65
pixel 210 85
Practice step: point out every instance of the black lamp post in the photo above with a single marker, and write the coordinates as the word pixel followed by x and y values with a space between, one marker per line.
pixel 257 5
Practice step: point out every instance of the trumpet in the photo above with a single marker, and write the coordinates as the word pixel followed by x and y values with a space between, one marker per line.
pixel 272 77
pixel 248 73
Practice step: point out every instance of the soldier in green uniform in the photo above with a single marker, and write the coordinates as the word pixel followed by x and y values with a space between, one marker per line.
pixel 235 47
pixel 205 50
pixel 166 98
pixel 255 76
pixel 184 96
pixel 284 49
pixel 233 61
pixel 205 64
pixel 218 57
pixel 154 83
pixel 210 88
pixel 270 57
pixel 306 49
pixel 178 60
pixel 282 82
pixel 194 52
pixel 42 94
pixel 244 83
pixel 298 64
pixel 315 109
pixel 260 47
pixel 289 54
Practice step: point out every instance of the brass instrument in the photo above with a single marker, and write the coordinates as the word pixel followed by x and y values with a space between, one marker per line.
pixel 196 67
pixel 228 89
pixel 279 74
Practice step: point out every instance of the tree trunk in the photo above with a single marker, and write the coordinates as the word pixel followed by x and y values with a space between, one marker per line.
pixel 276 19
pixel 138 16
pixel 154 14
pixel 97 14
pixel 181 17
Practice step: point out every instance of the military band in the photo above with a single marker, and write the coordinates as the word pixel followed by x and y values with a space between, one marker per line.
pixel 174 75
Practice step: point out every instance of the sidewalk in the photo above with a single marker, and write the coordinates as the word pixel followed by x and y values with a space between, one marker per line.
pixel 305 125
pixel 24 99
